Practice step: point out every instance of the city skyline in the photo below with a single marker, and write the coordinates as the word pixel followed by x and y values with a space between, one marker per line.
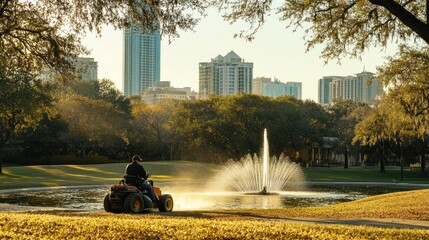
pixel 276 53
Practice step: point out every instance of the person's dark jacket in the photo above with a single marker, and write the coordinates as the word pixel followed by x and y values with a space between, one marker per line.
pixel 136 169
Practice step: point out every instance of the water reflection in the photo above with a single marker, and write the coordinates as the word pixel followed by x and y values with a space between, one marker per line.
pixel 196 199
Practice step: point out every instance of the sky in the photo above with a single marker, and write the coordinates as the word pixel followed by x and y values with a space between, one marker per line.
pixel 276 52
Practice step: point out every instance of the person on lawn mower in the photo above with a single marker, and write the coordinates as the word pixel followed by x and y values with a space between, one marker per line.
pixel 136 169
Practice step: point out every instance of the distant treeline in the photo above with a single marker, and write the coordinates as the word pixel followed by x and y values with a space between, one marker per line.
pixel 92 122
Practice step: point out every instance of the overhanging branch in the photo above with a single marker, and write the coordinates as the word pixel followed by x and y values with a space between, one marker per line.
pixel 406 17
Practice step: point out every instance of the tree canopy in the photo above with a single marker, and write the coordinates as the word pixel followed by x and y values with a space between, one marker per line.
pixel 47 33
pixel 344 27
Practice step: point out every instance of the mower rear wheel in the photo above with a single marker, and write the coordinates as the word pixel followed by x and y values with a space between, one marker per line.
pixel 165 203
pixel 107 204
pixel 133 203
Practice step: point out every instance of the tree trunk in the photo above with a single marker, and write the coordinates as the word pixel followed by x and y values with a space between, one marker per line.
pixel 346 159
pixel 171 152
pixel 422 163
pixel 1 171
pixel 383 156
pixel 401 160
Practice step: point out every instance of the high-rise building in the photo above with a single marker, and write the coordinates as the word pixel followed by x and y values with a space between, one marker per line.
pixel 323 93
pixel 142 60
pixel 277 89
pixel 257 84
pixel 162 90
pixel 294 89
pixel 363 87
pixel 226 75
pixel 86 68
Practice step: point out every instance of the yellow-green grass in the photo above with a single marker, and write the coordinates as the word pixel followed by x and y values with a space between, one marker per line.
pixel 370 174
pixel 177 171
pixel 98 174
pixel 412 205
pixel 121 226
pixel 225 224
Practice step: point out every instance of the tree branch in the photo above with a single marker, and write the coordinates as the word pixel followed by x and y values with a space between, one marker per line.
pixel 405 17
pixel 3 7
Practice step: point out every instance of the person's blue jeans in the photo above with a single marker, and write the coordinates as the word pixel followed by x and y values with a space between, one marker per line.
pixel 149 189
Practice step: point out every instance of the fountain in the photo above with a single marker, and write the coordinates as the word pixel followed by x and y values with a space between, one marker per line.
pixel 263 176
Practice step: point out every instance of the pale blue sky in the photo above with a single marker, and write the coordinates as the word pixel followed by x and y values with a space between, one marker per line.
pixel 276 52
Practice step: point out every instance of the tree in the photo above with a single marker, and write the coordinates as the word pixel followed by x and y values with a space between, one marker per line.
pixel 45 138
pixel 154 124
pixel 92 124
pixel 104 90
pixel 346 114
pixel 345 28
pixel 24 100
pixel 371 131
pixel 407 75
pixel 48 33
pixel 388 124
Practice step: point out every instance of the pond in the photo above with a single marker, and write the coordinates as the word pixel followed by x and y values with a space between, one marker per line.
pixel 195 198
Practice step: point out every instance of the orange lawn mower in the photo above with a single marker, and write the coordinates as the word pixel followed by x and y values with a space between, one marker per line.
pixel 126 197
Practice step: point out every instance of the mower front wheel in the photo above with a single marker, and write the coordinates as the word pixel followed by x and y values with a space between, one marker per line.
pixel 133 203
pixel 165 203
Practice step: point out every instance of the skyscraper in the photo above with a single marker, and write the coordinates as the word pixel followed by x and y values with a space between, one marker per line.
pixel 277 88
pixel 142 60
pixel 258 83
pixel 226 75
pixel 363 87
pixel 323 93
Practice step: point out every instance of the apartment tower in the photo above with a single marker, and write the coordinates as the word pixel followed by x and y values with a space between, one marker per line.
pixel 142 60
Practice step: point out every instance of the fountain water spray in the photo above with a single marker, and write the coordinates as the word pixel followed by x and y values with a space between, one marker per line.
pixel 259 175
pixel 265 158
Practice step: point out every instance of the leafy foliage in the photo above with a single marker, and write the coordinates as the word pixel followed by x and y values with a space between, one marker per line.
pixel 407 76
pixel 91 123
pixel 346 114
pixel 345 28
pixel 23 100
pixel 48 33
pixel 231 127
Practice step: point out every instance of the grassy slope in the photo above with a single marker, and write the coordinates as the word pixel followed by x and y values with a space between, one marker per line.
pixel 179 171
pixel 98 174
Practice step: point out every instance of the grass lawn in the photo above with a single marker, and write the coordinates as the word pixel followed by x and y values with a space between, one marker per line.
pixel 220 224
pixel 98 174
pixel 180 171
pixel 231 224
pixel 391 175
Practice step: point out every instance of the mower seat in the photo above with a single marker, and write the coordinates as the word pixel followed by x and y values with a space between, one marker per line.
pixel 132 180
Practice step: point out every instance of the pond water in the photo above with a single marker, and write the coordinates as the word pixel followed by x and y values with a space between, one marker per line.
pixel 195 198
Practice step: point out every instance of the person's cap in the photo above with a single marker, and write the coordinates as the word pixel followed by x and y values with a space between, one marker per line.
pixel 137 158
